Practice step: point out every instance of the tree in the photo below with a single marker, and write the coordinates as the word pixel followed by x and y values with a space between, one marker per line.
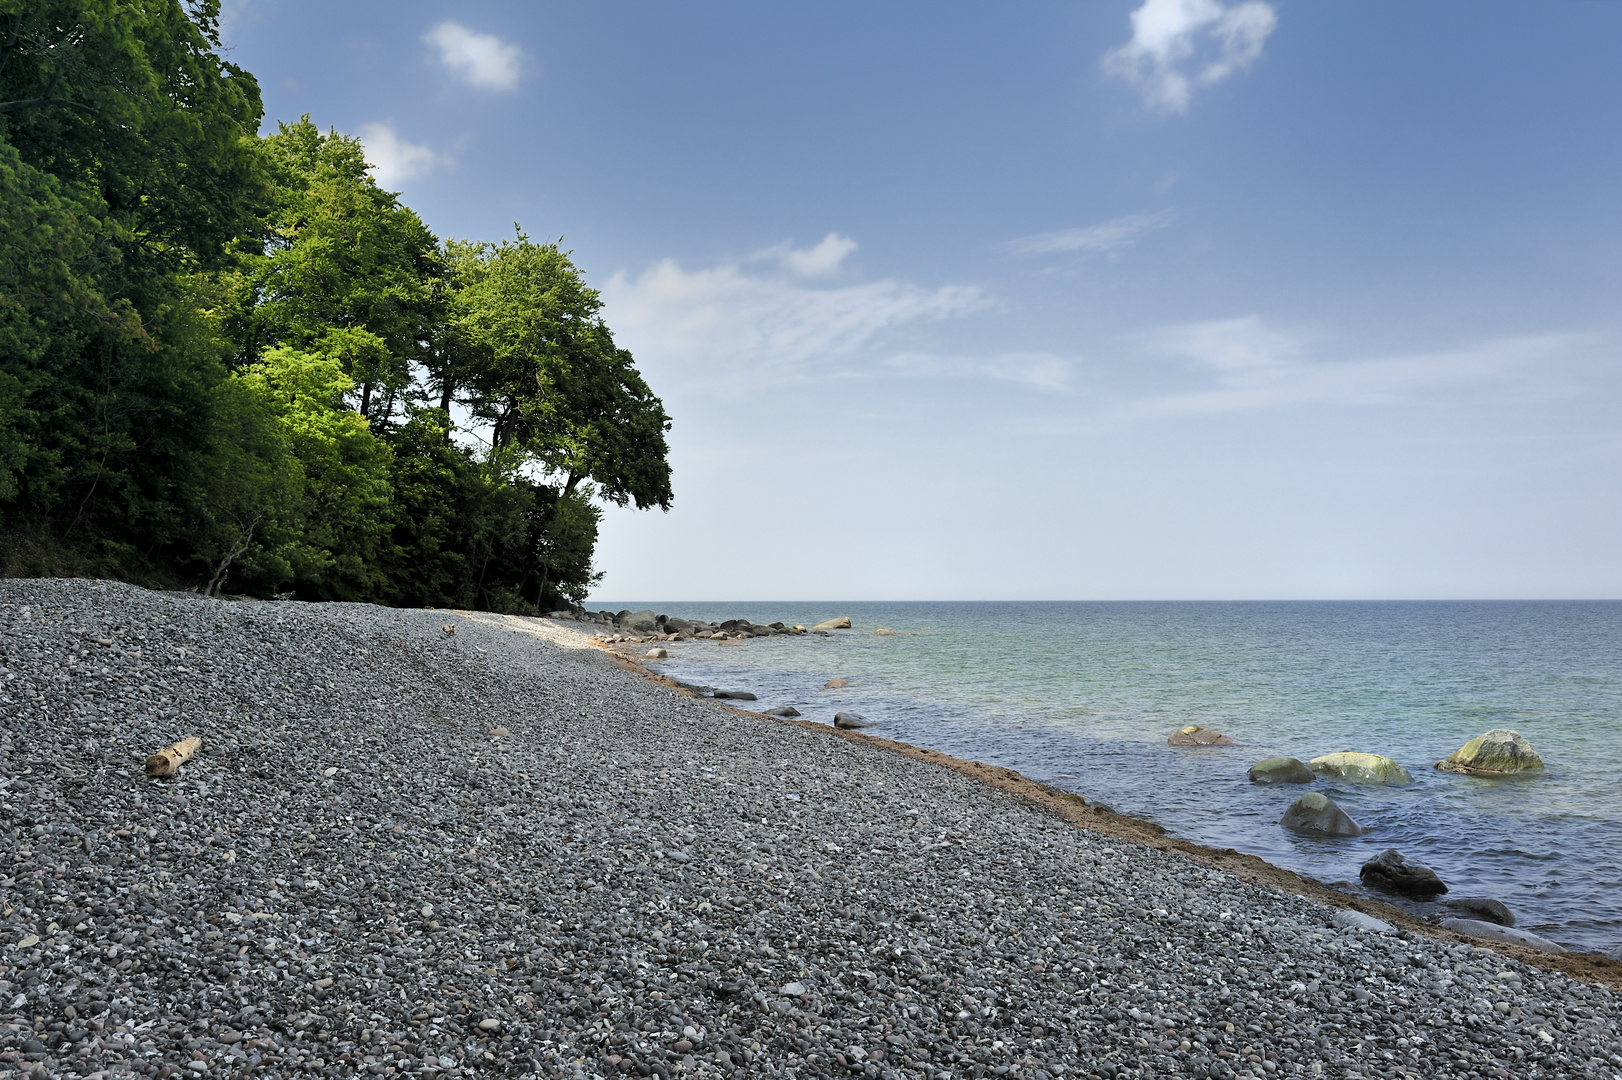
pixel 127 164
pixel 540 367
pixel 347 271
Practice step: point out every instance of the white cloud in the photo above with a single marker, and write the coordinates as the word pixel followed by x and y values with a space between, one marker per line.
pixel 392 158
pixel 482 60
pixel 723 323
pixel 1259 367
pixel 1171 38
pixel 1108 237
pixel 817 261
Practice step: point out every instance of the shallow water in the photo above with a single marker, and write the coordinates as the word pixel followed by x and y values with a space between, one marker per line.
pixel 1083 695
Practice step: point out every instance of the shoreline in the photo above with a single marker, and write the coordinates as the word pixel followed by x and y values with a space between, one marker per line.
pixel 464 845
pixel 1075 809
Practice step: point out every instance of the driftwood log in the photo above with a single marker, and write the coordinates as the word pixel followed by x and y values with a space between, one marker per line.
pixel 168 761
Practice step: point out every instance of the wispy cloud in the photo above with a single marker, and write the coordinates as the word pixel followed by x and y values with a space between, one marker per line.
pixel 723 322
pixel 818 261
pixel 1250 366
pixel 392 158
pixel 1107 237
pixel 481 60
pixel 1041 370
pixel 1179 43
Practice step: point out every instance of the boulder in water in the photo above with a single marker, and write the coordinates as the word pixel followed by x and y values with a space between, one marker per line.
pixel 783 710
pixel 1194 735
pixel 1500 752
pixel 735 695
pixel 1316 814
pixel 849 721
pixel 841 623
pixel 1280 770
pixel 1393 872
pixel 1494 932
pixel 1481 908
pixel 1362 769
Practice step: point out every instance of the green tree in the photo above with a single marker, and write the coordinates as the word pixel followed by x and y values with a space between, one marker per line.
pixel 539 366
pixel 347 271
pixel 127 164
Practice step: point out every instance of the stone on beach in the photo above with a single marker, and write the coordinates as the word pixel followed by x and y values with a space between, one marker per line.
pixel 1499 752
pixel 1481 908
pixel 1507 934
pixel 1194 735
pixel 1362 769
pixel 1317 813
pixel 1280 770
pixel 640 622
pixel 1393 872
pixel 1357 920
pixel 840 623
pixel 849 721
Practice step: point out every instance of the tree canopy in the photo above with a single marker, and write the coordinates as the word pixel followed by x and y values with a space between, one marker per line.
pixel 234 361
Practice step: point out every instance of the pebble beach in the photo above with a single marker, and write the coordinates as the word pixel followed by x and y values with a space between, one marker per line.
pixel 457 844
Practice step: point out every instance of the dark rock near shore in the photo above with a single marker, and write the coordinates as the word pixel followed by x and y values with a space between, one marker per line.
pixel 1280 770
pixel 787 711
pixel 1316 813
pixel 735 695
pixel 1393 872
pixel 1482 908
pixel 849 721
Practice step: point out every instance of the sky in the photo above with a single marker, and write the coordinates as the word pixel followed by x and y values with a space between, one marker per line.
pixel 1176 299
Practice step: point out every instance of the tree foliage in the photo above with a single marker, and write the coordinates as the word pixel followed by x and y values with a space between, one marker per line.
pixel 234 359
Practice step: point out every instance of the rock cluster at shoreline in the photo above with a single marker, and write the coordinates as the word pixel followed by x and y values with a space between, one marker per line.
pixel 495 853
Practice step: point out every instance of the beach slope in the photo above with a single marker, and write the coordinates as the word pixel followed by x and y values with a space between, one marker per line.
pixel 456 844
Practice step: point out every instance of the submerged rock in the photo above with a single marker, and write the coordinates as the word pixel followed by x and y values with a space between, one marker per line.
pixel 1280 770
pixel 1362 768
pixel 1480 907
pixel 849 721
pixel 1500 752
pixel 841 623
pixel 1316 814
pixel 1506 934
pixel 783 710
pixel 835 684
pixel 1194 735
pixel 1393 872
pixel 882 632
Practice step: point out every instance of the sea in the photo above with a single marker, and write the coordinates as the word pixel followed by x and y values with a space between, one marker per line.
pixel 1082 696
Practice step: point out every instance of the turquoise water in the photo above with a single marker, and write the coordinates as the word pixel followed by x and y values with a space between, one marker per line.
pixel 1083 695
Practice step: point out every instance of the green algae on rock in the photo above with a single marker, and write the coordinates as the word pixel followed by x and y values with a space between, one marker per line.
pixel 1280 770
pixel 1500 752
pixel 1362 769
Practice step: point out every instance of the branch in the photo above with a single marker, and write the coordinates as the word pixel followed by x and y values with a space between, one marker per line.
pixel 42 102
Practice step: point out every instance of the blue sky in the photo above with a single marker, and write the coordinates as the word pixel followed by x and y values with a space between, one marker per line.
pixel 1182 299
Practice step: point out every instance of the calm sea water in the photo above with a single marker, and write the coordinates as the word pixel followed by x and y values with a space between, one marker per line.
pixel 1083 695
